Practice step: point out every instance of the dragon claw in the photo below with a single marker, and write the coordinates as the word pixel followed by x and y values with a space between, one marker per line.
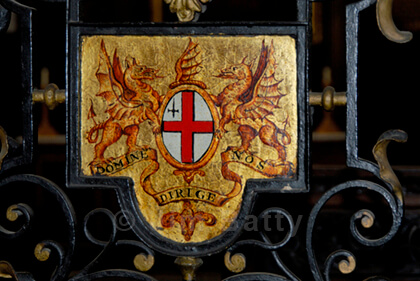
pixel 242 149
pixel 101 160
pixel 109 159
pixel 274 163
pixel 95 162
pixel 134 148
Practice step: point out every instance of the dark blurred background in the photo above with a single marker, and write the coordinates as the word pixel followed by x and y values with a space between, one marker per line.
pixel 388 89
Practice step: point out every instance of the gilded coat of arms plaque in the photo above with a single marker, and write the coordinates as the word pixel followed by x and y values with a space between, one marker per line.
pixel 196 122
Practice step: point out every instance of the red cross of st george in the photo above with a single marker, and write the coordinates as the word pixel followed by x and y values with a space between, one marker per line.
pixel 187 127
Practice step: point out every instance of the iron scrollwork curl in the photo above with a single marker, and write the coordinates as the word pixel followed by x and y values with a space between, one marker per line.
pixel 116 273
pixel 142 261
pixel 8 272
pixel 396 217
pixel 392 195
pixel 346 265
pixel 256 277
pixel 44 248
pixel 237 262
pixel 13 213
pixel 386 23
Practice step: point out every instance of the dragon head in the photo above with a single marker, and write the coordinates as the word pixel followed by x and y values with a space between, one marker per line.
pixel 236 71
pixel 139 71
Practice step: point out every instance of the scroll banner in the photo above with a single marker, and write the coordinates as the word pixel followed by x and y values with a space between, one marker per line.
pixel 184 193
pixel 233 155
pixel 114 165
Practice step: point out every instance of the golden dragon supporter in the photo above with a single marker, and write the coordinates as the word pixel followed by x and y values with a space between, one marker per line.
pixel 130 101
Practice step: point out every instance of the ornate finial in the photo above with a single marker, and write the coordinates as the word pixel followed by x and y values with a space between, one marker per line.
pixel 187 10
pixel 188 267
pixel 386 23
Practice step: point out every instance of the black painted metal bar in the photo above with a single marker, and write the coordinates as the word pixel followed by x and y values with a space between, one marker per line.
pixel 147 240
pixel 29 136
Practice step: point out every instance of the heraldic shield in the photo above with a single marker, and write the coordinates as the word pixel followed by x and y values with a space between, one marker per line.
pixel 191 120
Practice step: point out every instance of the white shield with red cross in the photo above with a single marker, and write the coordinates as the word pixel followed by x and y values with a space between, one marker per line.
pixel 187 127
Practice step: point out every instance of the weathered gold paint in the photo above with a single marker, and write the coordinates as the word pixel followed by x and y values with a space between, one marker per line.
pixel 162 52
pixel 386 23
pixel 143 262
pixel 235 263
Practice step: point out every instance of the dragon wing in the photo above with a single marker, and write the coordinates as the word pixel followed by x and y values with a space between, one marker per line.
pixel 111 86
pixel 109 77
pixel 262 97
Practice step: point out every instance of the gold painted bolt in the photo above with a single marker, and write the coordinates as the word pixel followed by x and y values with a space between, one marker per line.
pixel 328 99
pixel 51 96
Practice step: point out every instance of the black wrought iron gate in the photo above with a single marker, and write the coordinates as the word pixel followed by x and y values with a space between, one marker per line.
pixel 196 144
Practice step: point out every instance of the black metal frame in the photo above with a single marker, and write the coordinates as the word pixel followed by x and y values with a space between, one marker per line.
pixel 76 29
pixel 124 188
pixel 390 192
pixel 24 154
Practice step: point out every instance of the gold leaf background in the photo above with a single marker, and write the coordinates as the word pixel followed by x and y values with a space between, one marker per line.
pixel 162 52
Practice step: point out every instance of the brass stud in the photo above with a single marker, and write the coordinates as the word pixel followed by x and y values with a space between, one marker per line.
pixel 328 99
pixel 51 96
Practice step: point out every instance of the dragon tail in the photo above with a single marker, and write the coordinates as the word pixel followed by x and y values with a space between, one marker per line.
pixel 92 131
pixel 286 139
